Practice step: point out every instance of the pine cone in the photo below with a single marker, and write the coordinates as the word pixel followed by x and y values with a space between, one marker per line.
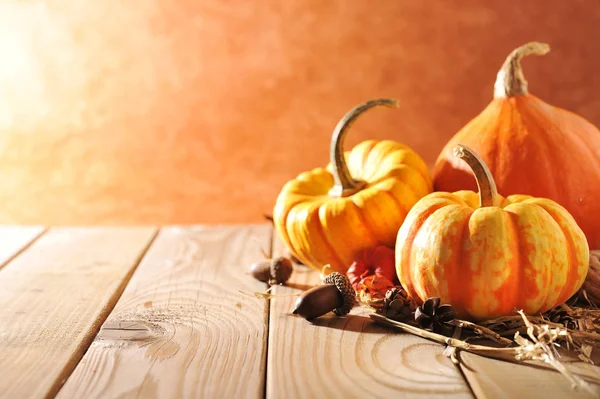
pixel 560 315
pixel 433 316
pixel 397 305
pixel 591 285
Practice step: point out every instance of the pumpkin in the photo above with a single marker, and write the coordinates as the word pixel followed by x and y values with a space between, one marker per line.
pixel 487 255
pixel 327 216
pixel 530 147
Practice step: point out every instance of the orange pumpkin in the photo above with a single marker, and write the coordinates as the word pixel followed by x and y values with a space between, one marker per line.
pixel 530 147
pixel 487 255
pixel 329 216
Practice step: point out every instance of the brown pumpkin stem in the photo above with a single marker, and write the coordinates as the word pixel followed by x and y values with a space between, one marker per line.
pixel 510 81
pixel 488 193
pixel 344 183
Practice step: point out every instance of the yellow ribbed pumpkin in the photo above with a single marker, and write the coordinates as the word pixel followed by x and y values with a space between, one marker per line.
pixel 487 255
pixel 328 215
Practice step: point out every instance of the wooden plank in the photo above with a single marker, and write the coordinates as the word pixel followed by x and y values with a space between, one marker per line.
pixel 490 378
pixel 53 298
pixel 350 357
pixel 182 327
pixel 14 239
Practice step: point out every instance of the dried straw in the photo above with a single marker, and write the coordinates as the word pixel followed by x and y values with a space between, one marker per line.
pixel 535 338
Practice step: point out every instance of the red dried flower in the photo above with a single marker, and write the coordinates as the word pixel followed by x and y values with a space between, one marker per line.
pixel 373 288
pixel 379 261
pixel 372 274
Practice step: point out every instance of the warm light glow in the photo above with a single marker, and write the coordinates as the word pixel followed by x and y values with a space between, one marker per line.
pixel 192 111
pixel 32 43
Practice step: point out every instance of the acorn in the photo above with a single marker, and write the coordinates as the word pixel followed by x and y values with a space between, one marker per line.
pixel 274 271
pixel 334 295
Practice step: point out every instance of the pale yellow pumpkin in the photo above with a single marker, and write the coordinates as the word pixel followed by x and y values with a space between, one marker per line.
pixel 489 256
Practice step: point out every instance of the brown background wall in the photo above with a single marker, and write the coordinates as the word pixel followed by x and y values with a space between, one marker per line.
pixel 161 111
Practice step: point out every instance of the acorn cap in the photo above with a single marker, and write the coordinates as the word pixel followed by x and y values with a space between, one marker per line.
pixel 342 283
pixel 281 269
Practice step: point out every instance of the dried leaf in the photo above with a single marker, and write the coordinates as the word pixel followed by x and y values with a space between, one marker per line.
pixel 373 288
pixel 585 353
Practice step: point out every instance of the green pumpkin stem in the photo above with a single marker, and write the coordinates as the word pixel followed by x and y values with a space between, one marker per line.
pixel 344 184
pixel 510 81
pixel 488 193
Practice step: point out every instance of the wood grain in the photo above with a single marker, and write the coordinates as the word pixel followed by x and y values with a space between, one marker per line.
pixel 350 357
pixel 493 379
pixel 187 325
pixel 53 298
pixel 14 239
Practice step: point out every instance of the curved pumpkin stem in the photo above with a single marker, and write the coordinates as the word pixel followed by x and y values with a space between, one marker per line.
pixel 344 183
pixel 510 81
pixel 488 193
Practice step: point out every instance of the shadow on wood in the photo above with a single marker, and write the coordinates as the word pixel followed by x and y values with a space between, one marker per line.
pixel 351 322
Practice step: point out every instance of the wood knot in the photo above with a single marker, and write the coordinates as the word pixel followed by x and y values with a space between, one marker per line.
pixel 158 345
pixel 130 330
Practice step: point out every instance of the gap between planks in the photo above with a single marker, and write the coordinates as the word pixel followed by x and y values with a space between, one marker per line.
pixel 187 324
pixel 496 379
pixel 16 239
pixel 85 344
pixel 351 356
pixel 53 298
pixel 338 342
pixel 340 346
pixel 270 253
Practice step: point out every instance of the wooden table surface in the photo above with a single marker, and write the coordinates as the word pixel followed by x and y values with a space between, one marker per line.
pixel 170 313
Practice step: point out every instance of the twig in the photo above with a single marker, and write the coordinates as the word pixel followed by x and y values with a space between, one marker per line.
pixel 500 320
pixel 497 353
pixel 483 331
pixel 539 350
